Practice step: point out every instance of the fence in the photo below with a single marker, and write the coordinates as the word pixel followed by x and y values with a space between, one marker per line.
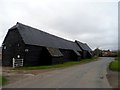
pixel 17 62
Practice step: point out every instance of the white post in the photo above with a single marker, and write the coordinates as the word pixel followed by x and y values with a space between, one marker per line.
pixel 13 62
pixel 22 62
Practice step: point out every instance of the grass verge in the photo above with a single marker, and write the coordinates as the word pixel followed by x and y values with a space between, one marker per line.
pixel 66 64
pixel 3 80
pixel 117 58
pixel 115 65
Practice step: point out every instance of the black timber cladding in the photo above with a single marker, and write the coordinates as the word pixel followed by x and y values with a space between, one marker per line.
pixel 83 46
pixel 86 50
pixel 13 45
pixel 39 48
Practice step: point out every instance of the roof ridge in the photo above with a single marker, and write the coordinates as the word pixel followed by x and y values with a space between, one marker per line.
pixel 38 37
pixel 18 23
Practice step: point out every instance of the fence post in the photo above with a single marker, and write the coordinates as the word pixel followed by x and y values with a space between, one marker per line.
pixel 21 62
pixel 13 62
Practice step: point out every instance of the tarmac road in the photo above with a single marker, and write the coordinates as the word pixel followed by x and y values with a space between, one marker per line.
pixel 89 75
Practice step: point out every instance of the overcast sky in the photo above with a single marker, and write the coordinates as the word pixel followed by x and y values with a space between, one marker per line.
pixel 94 22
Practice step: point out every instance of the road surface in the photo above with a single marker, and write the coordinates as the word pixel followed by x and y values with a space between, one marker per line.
pixel 89 75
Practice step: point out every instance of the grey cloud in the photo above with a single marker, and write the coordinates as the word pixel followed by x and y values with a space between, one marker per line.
pixel 93 23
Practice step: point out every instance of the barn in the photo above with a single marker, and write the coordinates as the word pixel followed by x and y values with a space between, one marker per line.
pixel 86 50
pixel 36 47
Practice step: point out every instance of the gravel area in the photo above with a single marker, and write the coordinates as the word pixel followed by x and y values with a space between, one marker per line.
pixel 16 75
pixel 114 78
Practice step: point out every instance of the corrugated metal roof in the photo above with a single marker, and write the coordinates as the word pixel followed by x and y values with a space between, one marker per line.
pixel 37 37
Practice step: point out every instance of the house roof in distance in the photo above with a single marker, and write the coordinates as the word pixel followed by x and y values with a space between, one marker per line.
pixel 37 37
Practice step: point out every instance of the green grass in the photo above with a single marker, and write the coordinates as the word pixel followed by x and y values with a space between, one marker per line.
pixel 66 64
pixel 117 58
pixel 115 66
pixel 3 80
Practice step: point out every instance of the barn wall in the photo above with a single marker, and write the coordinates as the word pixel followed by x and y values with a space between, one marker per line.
pixel 13 45
pixel 75 57
pixel 88 55
pixel 57 60
pixel 36 56
pixel 85 54
pixel 80 57
pixel 32 55
pixel 46 58
pixel 68 55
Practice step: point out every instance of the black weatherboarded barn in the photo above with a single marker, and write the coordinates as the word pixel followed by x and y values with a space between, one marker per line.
pixel 36 47
pixel 86 50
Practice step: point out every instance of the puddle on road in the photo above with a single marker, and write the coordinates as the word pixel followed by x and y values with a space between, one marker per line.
pixel 101 77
